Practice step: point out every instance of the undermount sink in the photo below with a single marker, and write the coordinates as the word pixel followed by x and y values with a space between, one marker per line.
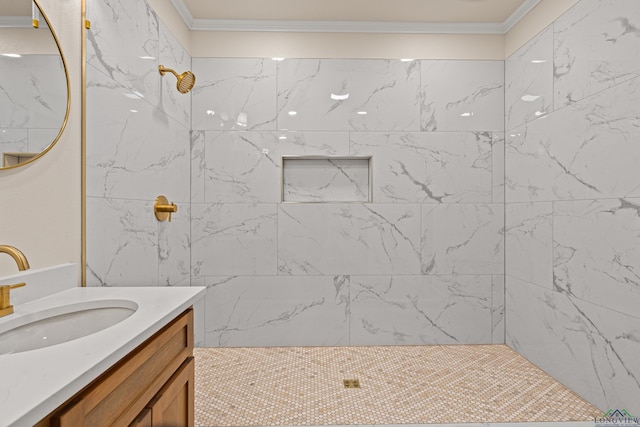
pixel 62 324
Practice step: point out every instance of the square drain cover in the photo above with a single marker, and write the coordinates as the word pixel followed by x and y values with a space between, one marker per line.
pixel 351 383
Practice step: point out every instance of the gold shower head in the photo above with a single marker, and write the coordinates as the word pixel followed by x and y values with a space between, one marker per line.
pixel 186 80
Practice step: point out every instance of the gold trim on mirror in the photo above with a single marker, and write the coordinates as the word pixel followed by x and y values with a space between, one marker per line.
pixel 68 109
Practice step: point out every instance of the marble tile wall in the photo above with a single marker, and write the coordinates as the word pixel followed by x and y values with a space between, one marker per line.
pixel 572 204
pixel 422 263
pixel 33 99
pixel 555 193
pixel 138 147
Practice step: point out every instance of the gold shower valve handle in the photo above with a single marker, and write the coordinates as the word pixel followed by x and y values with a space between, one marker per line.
pixel 163 209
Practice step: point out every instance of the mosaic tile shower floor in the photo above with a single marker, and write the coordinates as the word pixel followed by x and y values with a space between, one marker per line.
pixel 280 386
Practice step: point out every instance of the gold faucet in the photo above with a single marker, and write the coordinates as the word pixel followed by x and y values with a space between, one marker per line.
pixel 17 255
pixel 5 297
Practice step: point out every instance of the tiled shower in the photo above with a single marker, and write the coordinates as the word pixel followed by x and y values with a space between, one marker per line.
pixel 505 193
pixel 349 273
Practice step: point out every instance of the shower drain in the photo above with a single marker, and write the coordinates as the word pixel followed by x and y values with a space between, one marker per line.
pixel 351 383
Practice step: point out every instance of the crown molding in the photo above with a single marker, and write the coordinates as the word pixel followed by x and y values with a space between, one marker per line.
pixel 518 14
pixel 249 25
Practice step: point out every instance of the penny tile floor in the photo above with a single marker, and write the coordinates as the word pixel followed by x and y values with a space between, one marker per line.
pixel 441 384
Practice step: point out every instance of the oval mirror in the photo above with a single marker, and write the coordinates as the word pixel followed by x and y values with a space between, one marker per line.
pixel 34 84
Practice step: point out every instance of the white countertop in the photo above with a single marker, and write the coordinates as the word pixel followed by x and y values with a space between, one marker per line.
pixel 34 383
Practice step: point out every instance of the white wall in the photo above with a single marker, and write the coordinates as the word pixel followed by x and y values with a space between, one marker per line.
pixel 41 202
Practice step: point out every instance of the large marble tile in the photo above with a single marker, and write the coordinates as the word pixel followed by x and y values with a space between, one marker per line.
pixel 428 167
pixel 463 239
pixel 462 95
pixel 230 239
pixel 596 252
pixel 529 81
pixel 323 239
pixel 234 94
pixel 247 166
pixel 497 167
pixel 596 46
pixel 174 248
pixel 172 55
pixel 587 150
pixel 498 323
pixel 14 140
pixel 122 243
pixel 33 92
pixel 277 311
pixel 199 308
pixel 325 180
pixel 589 348
pixel 123 45
pixel 415 310
pixel 529 242
pixel 348 94
pixel 197 166
pixel 135 151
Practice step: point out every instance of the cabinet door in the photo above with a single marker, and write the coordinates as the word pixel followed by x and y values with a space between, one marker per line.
pixel 143 420
pixel 173 405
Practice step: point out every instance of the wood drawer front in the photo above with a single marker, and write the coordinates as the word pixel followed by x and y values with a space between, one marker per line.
pixel 121 394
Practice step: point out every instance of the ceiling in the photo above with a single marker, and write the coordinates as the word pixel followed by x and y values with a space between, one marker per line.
pixel 400 16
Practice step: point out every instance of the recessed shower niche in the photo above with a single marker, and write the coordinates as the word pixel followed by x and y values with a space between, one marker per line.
pixel 322 179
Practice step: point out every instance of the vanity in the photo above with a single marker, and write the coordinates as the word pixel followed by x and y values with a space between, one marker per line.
pixel 136 369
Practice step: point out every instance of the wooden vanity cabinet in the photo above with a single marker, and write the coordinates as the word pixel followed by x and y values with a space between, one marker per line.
pixel 151 386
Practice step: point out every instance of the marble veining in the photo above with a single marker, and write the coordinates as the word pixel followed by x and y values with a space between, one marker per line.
pixel 594 348
pixel 497 166
pixel 233 239
pixel 462 95
pixel 463 239
pixel 595 47
pixel 498 321
pixel 348 94
pixel 14 140
pixel 246 166
pixel 234 94
pixel 174 249
pixel 172 55
pixel 529 81
pixel 131 144
pixel 529 242
pixel 596 253
pixel 198 165
pixel 119 23
pixel 122 243
pixel 413 310
pixel 428 167
pixel 348 239
pixel 259 311
pixel 585 150
pixel 33 92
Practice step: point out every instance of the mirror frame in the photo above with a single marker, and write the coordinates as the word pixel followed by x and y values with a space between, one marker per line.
pixel 68 109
